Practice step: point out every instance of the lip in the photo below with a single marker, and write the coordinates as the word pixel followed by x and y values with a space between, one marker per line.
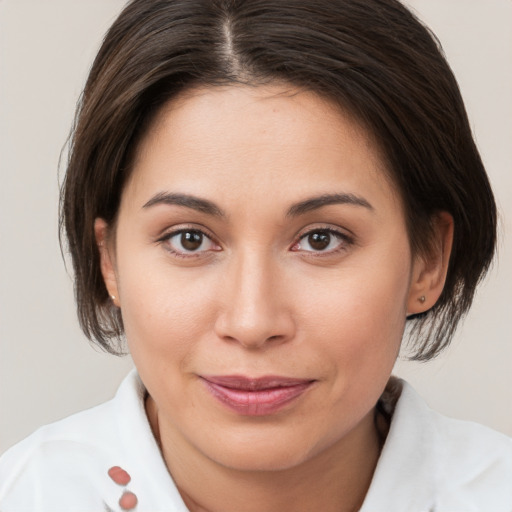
pixel 256 396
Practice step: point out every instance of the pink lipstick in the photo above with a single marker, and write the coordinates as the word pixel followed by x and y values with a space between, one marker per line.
pixel 255 397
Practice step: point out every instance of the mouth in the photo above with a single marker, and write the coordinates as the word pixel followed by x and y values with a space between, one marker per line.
pixel 256 396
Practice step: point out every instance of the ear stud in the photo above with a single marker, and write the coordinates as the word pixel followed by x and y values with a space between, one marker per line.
pixel 422 299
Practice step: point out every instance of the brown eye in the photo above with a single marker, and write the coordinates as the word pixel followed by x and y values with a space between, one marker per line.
pixel 191 240
pixel 319 240
pixel 323 241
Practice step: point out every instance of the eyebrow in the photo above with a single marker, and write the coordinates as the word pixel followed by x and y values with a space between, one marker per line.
pixel 210 208
pixel 186 200
pixel 325 200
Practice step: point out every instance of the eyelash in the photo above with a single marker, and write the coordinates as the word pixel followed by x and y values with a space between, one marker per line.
pixel 345 241
pixel 168 236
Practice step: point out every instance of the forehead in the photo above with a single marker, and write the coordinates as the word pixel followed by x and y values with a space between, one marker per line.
pixel 277 139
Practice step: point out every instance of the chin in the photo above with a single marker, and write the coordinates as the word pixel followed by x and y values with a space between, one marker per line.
pixel 259 452
pixel 260 460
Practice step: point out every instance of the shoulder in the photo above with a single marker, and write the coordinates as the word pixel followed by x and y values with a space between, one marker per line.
pixel 92 427
pixel 432 462
pixel 67 460
pixel 462 448
pixel 474 465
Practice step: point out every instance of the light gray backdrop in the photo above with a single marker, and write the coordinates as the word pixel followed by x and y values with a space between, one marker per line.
pixel 47 368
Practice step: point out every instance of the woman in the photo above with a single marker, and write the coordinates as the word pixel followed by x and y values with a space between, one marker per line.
pixel 260 197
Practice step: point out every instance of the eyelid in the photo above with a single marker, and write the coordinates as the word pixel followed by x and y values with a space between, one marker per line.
pixel 180 228
pixel 177 230
pixel 347 238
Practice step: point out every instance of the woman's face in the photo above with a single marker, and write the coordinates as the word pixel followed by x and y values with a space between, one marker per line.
pixel 263 270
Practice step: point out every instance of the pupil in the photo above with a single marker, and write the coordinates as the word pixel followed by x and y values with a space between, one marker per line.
pixel 191 240
pixel 319 241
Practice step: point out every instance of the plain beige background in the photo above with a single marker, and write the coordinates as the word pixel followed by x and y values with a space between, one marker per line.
pixel 47 368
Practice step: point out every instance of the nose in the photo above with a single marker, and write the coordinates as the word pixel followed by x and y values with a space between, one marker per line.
pixel 255 311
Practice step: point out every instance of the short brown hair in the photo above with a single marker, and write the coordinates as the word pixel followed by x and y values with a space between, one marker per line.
pixel 373 57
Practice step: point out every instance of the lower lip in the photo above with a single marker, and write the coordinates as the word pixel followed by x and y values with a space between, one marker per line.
pixel 256 403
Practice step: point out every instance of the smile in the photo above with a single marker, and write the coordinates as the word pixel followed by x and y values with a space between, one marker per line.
pixel 255 397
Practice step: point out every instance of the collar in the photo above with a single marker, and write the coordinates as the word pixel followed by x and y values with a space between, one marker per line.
pixel 405 476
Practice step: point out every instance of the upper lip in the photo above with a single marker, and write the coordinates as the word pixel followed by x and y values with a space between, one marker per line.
pixel 254 383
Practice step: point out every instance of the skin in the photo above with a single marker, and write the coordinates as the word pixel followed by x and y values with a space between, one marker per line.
pixel 259 298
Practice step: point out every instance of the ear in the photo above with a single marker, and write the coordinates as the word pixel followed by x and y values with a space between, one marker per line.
pixel 429 271
pixel 107 261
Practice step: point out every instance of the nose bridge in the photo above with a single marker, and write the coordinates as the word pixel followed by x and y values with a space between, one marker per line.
pixel 251 286
pixel 254 310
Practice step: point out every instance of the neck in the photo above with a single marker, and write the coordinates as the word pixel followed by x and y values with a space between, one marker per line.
pixel 334 480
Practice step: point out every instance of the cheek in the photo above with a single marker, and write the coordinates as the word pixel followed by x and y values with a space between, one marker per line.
pixel 165 313
pixel 356 323
pixel 358 315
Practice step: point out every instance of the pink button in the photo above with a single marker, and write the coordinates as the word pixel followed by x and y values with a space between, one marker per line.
pixel 128 501
pixel 119 475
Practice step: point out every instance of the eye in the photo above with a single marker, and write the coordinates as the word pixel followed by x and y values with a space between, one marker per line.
pixel 188 242
pixel 322 241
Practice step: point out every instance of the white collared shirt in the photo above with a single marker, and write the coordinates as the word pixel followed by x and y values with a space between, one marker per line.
pixel 429 463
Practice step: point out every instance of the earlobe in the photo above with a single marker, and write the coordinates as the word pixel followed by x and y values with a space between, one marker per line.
pixel 106 260
pixel 430 270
